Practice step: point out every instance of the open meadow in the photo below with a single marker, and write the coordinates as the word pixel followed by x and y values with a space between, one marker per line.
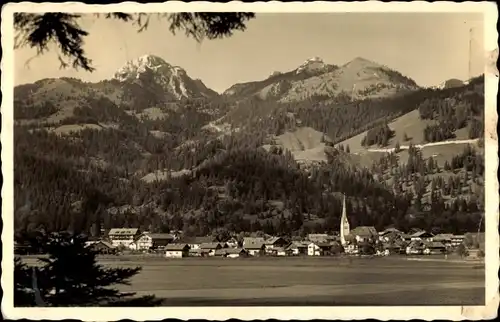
pixel 322 281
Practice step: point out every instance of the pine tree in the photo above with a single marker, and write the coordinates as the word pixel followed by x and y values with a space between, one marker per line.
pixel 72 277
pixel 397 148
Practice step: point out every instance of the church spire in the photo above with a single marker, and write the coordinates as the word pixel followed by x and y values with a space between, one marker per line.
pixel 344 223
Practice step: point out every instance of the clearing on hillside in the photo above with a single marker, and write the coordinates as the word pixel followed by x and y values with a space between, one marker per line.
pixel 304 143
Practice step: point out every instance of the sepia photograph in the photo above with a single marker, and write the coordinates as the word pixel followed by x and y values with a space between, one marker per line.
pixel 260 156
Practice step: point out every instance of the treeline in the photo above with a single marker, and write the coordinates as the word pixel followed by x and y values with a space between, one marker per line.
pixel 379 135
pixel 453 109
pixel 236 190
pixel 439 132
pixel 341 120
pixel 33 110
pixel 71 182
pixel 438 202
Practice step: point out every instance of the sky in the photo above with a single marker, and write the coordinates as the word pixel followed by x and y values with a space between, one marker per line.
pixel 428 47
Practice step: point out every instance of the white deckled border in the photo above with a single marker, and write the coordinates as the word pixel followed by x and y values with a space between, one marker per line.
pixel 222 313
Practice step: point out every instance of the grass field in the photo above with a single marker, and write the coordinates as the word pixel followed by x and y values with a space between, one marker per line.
pixel 306 281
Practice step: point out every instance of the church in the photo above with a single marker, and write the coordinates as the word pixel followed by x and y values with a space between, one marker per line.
pixel 344 225
pixel 350 239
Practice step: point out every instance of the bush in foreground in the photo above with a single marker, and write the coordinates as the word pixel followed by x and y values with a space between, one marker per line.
pixel 71 276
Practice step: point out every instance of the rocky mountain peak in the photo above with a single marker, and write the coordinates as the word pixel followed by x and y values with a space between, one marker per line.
pixel 311 65
pixel 174 80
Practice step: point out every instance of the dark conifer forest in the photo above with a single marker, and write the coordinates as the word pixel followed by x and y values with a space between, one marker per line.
pixel 216 174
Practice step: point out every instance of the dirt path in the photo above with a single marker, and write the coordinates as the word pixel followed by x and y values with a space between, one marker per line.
pixel 421 146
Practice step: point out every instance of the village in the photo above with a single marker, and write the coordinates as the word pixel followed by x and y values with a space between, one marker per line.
pixel 362 240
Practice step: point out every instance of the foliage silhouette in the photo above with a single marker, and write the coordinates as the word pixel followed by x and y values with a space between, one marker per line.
pixel 41 30
pixel 71 276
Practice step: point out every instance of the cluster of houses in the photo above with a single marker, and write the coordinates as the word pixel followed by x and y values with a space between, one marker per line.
pixel 360 240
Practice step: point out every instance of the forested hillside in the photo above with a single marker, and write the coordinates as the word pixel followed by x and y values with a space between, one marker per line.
pixel 124 154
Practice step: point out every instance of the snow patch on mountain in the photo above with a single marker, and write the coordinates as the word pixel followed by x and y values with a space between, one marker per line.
pixel 360 78
pixel 172 79
pixel 311 65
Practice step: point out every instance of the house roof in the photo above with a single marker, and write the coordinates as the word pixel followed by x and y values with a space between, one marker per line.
pixel 434 244
pixel 234 250
pixel 323 244
pixel 414 230
pixel 420 234
pixel 123 231
pixel 254 246
pixel 443 237
pixel 210 245
pixel 364 231
pixel 219 252
pixel 103 242
pixel 389 245
pixel 315 237
pixel 253 240
pixel 176 246
pixel 389 230
pixel 162 236
pixel 157 236
pixel 300 243
pixel 198 240
pixel 395 243
pixel 272 240
pixel 416 243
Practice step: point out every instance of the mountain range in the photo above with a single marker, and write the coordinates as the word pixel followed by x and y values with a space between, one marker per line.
pixel 154 147
pixel 358 79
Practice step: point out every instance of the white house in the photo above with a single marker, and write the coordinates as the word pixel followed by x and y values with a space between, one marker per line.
pixel 415 247
pixel 281 251
pixel 298 248
pixel 443 238
pixel 177 250
pixel 123 236
pixel 351 247
pixel 231 252
pixel 195 242
pixel 211 248
pixel 147 241
pixel 457 240
pixel 236 252
pixel 232 242
pixel 318 249
pixel 421 236
pixel 431 248
pixel 255 249
pixel 364 234
pixel 313 250
pixel 390 234
pixel 275 243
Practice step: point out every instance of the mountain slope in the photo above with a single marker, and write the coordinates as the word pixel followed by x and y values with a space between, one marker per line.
pixel 278 83
pixel 150 70
pixel 144 83
pixel 160 160
pixel 358 79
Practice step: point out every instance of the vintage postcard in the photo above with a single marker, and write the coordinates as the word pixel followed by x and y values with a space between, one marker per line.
pixel 250 161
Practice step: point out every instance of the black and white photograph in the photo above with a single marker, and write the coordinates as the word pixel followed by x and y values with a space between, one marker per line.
pixel 257 157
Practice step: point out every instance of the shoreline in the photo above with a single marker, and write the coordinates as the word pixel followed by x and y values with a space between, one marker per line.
pixel 155 258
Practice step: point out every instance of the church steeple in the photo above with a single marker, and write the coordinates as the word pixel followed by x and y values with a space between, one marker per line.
pixel 344 224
